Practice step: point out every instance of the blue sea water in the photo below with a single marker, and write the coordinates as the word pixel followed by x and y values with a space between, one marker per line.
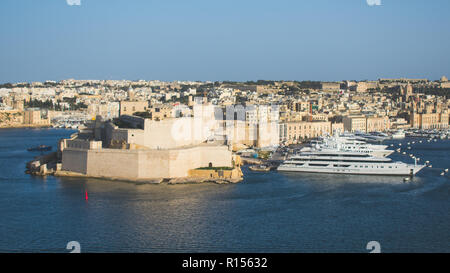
pixel 267 212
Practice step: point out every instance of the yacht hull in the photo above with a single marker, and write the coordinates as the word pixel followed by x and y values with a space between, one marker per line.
pixel 407 171
pixel 381 153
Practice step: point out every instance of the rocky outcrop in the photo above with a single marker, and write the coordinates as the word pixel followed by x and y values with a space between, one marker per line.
pixel 43 165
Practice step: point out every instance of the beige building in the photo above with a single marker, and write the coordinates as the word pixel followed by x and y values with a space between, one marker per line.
pixel 399 123
pixel 161 111
pixel 364 86
pixel 131 107
pixel 154 152
pixel 330 86
pixel 430 120
pixel 35 117
pixel 360 123
pixel 294 132
pixel 337 128
pixel 105 110
pixel 141 163
pixel 377 124
pixel 354 123
pixel 253 135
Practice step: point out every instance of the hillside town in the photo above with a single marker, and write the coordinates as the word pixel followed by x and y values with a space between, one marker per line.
pixel 299 110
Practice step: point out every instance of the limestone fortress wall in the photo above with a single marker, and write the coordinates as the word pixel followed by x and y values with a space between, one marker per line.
pixel 146 149
pixel 144 164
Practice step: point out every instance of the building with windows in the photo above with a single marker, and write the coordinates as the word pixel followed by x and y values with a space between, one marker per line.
pixel 131 107
pixel 295 132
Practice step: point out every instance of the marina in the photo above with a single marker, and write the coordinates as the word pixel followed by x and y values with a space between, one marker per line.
pixel 347 155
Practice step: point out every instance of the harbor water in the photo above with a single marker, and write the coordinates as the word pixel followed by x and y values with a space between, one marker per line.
pixel 267 212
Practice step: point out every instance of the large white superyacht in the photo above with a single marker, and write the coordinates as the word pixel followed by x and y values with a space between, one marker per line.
pixel 350 145
pixel 344 162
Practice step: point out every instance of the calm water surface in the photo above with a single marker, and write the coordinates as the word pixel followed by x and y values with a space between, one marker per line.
pixel 270 212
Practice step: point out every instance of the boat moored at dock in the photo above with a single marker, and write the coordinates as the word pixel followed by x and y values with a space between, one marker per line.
pixel 341 162
pixel 40 148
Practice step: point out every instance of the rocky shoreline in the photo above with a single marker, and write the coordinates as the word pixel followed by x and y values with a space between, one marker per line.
pixel 170 181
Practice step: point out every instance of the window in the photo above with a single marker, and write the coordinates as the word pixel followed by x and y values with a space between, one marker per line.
pixel 318 165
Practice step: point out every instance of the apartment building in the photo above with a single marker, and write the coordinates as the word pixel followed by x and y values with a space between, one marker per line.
pixel 354 123
pixel 294 132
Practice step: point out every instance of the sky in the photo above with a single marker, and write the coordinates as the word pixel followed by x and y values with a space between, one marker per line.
pixel 217 40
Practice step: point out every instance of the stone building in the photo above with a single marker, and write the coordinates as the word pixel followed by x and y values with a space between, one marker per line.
pixel 330 86
pixel 366 124
pixel 429 120
pixel 354 123
pixel 131 107
pixel 35 117
pixel 377 124
pixel 295 132
pixel 154 150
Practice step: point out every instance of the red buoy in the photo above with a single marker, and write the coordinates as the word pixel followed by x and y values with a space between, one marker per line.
pixel 86 195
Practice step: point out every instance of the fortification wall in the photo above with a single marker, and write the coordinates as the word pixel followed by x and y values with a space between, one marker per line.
pixel 113 163
pixel 144 164
pixel 154 164
pixel 75 160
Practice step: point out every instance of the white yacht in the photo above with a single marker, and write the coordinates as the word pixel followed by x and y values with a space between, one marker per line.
pixel 399 135
pixel 349 145
pixel 343 162
pixel 373 137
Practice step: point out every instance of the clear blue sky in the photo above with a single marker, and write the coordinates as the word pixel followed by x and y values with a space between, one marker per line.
pixel 223 39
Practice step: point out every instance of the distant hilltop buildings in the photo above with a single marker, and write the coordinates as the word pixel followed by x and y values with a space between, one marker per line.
pixel 304 109
pixel 190 131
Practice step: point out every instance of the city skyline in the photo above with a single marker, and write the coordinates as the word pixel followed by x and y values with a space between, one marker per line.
pixel 220 41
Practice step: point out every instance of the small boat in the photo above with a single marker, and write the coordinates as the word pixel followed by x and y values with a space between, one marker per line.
pixel 260 168
pixel 40 148
pixel 398 135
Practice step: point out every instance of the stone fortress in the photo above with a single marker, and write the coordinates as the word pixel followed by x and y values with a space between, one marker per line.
pixel 140 149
